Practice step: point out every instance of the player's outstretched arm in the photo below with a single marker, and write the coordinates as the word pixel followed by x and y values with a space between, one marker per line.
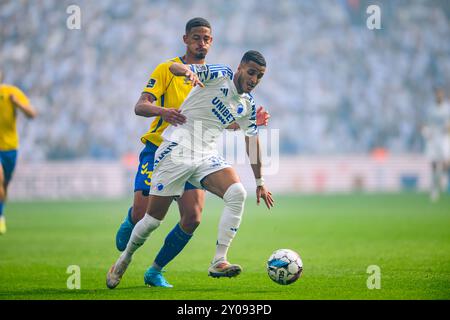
pixel 179 69
pixel 145 107
pixel 254 154
pixel 262 119
pixel 27 109
pixel 262 116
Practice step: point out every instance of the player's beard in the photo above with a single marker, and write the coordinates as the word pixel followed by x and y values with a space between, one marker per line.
pixel 200 55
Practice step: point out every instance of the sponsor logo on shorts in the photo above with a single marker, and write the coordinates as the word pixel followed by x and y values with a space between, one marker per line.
pixel 148 173
pixel 216 161
pixel 164 153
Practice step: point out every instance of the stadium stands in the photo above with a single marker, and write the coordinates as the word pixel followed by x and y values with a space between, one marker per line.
pixel 332 86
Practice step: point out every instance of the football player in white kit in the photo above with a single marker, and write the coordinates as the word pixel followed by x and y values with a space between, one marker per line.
pixel 437 135
pixel 189 153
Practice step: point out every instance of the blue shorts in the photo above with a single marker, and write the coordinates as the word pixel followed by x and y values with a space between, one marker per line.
pixel 143 180
pixel 8 162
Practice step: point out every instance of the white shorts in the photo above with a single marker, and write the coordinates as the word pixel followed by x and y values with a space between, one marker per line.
pixel 438 148
pixel 175 164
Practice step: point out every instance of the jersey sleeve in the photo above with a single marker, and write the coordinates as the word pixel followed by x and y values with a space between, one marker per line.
pixel 209 72
pixel 20 96
pixel 248 123
pixel 159 80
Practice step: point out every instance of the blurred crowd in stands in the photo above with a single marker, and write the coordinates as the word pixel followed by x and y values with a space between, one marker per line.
pixel 332 85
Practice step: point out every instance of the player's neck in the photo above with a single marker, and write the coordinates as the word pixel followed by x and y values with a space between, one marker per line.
pixel 189 59
pixel 236 85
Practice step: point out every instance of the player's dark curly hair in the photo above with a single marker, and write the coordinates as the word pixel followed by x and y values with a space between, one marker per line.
pixel 197 22
pixel 255 56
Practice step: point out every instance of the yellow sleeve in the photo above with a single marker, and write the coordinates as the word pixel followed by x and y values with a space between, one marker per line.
pixel 19 95
pixel 159 80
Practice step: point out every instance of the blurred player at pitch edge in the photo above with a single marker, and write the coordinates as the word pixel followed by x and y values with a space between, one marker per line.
pixel 437 135
pixel 11 100
pixel 161 98
pixel 189 154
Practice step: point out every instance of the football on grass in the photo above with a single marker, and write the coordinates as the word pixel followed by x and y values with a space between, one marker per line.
pixel 284 266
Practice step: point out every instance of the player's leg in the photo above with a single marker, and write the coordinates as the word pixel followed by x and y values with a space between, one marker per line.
pixel 156 211
pixel 447 172
pixel 7 165
pixel 169 179
pixel 190 205
pixel 226 184
pixel 2 199
pixel 435 178
pixel 446 157
pixel 142 184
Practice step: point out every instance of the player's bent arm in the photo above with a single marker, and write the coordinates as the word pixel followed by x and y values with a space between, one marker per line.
pixel 262 119
pixel 146 108
pixel 254 154
pixel 179 69
pixel 27 109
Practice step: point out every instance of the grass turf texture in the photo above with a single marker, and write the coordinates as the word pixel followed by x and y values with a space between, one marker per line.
pixel 338 237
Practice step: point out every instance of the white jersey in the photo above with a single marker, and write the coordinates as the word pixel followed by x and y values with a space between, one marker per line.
pixel 211 109
pixel 438 122
pixel 437 133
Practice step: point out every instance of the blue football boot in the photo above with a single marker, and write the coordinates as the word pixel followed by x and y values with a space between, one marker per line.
pixel 154 278
pixel 124 232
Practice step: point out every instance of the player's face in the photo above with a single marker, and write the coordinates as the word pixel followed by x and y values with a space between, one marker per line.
pixel 439 96
pixel 198 41
pixel 249 75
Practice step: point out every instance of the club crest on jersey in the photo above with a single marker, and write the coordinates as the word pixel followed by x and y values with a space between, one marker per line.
pixel 159 186
pixel 239 109
pixel 151 83
pixel 224 91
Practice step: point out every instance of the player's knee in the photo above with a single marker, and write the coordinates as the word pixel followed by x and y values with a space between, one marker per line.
pixel 189 226
pixel 2 192
pixel 139 210
pixel 191 219
pixel 235 195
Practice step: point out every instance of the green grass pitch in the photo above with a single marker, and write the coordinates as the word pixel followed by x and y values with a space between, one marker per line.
pixel 337 236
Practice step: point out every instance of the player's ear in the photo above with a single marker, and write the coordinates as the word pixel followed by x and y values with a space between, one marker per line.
pixel 185 38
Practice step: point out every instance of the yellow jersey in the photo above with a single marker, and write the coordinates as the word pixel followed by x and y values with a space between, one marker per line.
pixel 170 92
pixel 9 138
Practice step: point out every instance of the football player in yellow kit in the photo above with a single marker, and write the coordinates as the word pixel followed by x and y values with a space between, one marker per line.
pixel 161 98
pixel 11 100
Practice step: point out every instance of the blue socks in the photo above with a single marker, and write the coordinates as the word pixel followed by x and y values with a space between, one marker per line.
pixel 129 217
pixel 175 241
pixel 1 209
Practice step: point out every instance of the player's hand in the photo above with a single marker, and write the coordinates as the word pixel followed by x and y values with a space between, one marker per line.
pixel 193 78
pixel 266 195
pixel 262 116
pixel 173 116
pixel 234 126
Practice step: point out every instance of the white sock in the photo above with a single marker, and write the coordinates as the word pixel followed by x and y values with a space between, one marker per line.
pixel 230 220
pixel 221 252
pixel 141 232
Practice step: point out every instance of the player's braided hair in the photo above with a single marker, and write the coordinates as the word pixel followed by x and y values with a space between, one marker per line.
pixel 197 22
pixel 255 56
